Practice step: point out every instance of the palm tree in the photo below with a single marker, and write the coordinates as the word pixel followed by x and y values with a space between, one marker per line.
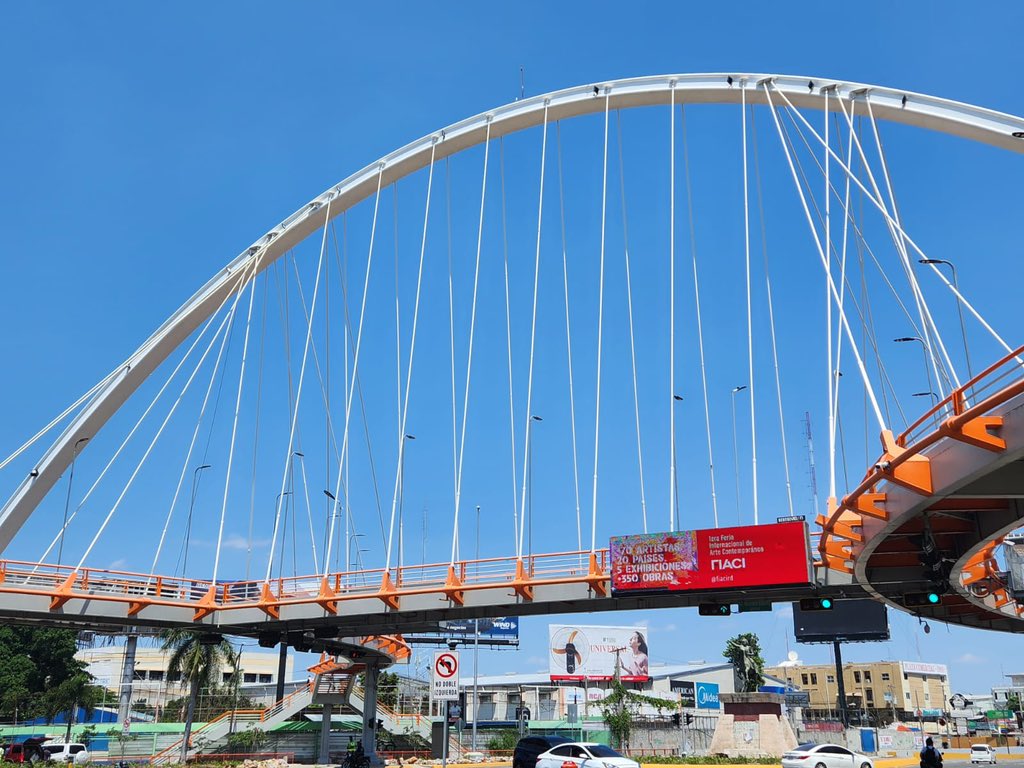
pixel 76 692
pixel 198 661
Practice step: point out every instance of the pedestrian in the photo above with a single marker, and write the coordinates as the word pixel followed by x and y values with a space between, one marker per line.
pixel 930 756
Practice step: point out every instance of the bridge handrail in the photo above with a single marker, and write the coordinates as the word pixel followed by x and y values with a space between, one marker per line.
pixel 65 582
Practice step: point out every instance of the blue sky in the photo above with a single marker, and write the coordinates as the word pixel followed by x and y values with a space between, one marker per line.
pixel 147 146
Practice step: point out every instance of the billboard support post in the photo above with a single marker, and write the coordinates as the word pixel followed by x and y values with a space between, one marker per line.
pixel 841 684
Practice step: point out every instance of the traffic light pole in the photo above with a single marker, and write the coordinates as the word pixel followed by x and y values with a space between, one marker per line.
pixel 843 717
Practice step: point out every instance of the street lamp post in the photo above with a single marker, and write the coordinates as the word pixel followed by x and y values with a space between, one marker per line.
pixel 332 513
pixel 735 449
pixel 67 501
pixel 959 307
pixel 924 351
pixel 191 506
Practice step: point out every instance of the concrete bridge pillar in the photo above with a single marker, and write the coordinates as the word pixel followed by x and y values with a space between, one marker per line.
pixel 325 735
pixel 124 696
pixel 370 678
pixel 282 666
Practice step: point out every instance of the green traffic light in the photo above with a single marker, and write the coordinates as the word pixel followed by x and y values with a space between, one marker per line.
pixel 933 598
pixel 826 603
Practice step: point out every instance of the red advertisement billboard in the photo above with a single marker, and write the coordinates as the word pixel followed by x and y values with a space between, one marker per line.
pixel 718 558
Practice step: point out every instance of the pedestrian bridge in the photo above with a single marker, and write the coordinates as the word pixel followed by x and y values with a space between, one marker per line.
pixel 330 394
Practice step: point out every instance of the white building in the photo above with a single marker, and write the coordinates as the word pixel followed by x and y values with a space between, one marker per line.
pixel 154 683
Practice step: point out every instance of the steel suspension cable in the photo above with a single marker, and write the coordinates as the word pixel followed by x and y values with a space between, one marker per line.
pixel 909 240
pixel 451 348
pixel 238 409
pixel 256 430
pixel 821 254
pixel 356 384
pixel 600 322
pixel 696 296
pixel 673 502
pixel 63 529
pixel 533 333
pixel 860 239
pixel 912 276
pixel 399 479
pixel 472 331
pixel 771 309
pixel 298 398
pixel 568 336
pixel 830 369
pixel 508 343
pixel 629 306
pixel 151 445
pixel 750 327
pixel 358 346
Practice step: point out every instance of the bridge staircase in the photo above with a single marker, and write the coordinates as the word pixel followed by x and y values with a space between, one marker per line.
pixel 209 736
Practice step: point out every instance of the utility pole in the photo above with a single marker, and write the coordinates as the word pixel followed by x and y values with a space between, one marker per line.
pixel 843 716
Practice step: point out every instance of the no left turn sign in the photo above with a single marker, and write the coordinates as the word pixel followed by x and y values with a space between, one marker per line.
pixel 445 678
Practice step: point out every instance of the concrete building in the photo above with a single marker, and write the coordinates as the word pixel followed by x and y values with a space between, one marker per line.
pixel 1002 693
pixel 882 690
pixel 157 686
pixel 554 702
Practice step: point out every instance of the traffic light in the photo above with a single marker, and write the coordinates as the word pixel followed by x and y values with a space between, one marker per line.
pixel 816 604
pixel 919 599
pixel 689 719
pixel 714 609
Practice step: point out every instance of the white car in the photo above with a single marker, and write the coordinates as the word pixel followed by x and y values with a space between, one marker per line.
pixel 67 753
pixel 982 753
pixel 584 754
pixel 825 756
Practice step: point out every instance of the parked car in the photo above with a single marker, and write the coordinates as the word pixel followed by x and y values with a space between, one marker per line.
pixel 584 754
pixel 825 756
pixel 530 748
pixel 982 753
pixel 29 750
pixel 67 753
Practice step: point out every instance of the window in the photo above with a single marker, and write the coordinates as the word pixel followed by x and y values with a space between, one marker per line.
pixel 869 695
pixel 600 750
pixel 76 748
pixel 907 694
pixel 814 678
pixel 563 751
pixel 906 676
pixel 266 678
pixel 885 677
pixel 174 677
pixel 803 679
pixel 226 677
pixel 830 678
pixel 139 674
pixel 856 675
pixel 867 675
pixel 156 674
pixel 249 677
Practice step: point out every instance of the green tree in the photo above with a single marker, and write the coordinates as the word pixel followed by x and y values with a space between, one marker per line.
pixel 620 707
pixel 198 661
pixel 68 696
pixel 32 662
pixel 1013 702
pixel 744 653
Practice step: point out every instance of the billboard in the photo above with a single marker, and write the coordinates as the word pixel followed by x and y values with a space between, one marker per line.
pixel 578 652
pixel 851 621
pixel 707 696
pixel 721 558
pixel 502 628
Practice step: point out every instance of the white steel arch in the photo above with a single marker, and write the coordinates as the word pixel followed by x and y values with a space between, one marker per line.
pixel 966 121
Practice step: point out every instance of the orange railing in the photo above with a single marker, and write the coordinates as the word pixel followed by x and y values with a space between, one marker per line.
pixel 63 583
pixel 963 415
